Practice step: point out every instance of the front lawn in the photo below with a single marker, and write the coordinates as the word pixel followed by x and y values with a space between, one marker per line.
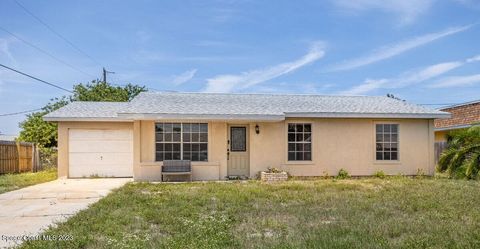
pixel 9 182
pixel 394 212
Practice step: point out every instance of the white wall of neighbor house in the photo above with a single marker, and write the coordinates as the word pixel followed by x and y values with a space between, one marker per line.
pixel 336 144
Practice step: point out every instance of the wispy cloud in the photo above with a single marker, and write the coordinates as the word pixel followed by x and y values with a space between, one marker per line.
pixel 473 59
pixel 406 10
pixel 407 78
pixel 392 50
pixel 5 53
pixel 150 56
pixel 456 81
pixel 228 82
pixel 1 81
pixel 367 86
pixel 426 73
pixel 184 77
pixel 299 87
pixel 5 49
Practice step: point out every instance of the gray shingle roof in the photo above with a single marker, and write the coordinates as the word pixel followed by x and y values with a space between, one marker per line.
pixel 88 110
pixel 157 105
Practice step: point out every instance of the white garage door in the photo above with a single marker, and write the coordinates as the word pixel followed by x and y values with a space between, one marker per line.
pixel 104 153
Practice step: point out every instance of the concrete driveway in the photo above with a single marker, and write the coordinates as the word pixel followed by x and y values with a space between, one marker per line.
pixel 27 211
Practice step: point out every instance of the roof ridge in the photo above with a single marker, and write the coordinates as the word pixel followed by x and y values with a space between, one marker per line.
pixel 461 104
pixel 267 94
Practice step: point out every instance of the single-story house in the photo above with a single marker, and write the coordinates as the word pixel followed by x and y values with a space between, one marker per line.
pixel 241 134
pixel 463 116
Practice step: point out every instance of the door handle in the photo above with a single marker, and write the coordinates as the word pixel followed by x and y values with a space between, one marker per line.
pixel 228 155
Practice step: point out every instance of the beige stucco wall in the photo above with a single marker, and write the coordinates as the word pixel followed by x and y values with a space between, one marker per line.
pixel 344 143
pixel 336 143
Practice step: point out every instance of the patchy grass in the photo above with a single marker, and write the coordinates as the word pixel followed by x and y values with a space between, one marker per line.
pixel 9 182
pixel 395 212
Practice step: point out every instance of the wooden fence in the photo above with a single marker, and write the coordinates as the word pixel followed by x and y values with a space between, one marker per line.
pixel 439 148
pixel 16 157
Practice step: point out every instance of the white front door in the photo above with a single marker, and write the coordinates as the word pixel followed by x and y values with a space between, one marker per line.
pixel 238 155
pixel 103 153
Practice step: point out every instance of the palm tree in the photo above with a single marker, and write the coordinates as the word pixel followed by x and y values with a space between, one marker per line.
pixel 461 159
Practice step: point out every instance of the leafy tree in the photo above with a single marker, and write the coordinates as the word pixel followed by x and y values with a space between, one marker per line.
pixel 461 159
pixel 102 91
pixel 36 130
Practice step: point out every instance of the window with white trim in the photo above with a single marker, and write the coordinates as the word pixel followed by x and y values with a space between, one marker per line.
pixel 181 141
pixel 299 142
pixel 386 137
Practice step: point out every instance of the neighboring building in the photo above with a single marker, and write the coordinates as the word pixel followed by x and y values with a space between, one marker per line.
pixel 463 116
pixel 242 134
pixel 7 137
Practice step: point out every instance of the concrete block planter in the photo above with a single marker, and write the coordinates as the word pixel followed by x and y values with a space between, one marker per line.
pixel 273 177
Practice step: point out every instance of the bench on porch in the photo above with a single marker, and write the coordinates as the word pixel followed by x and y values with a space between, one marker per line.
pixel 177 168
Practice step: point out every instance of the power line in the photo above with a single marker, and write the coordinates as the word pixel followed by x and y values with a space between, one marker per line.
pixel 35 78
pixel 21 112
pixel 56 33
pixel 46 53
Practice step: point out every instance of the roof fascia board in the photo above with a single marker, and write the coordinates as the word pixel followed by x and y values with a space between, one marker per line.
pixel 368 115
pixel 453 127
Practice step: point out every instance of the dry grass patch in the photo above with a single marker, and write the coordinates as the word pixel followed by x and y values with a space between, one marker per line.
pixel 9 182
pixel 393 212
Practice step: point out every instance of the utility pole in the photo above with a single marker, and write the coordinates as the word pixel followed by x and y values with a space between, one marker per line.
pixel 105 75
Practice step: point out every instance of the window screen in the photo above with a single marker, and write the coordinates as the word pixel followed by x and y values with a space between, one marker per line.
pixel 238 139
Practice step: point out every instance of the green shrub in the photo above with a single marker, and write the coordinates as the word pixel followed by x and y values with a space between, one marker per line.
pixel 420 173
pixel 326 175
pixel 461 158
pixel 343 174
pixel 270 170
pixel 379 174
pixel 273 170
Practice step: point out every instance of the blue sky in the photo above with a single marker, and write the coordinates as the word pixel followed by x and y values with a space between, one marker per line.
pixel 424 51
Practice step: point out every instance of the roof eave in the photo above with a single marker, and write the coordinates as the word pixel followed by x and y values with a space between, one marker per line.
pixel 129 117
pixel 369 115
pixel 453 127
